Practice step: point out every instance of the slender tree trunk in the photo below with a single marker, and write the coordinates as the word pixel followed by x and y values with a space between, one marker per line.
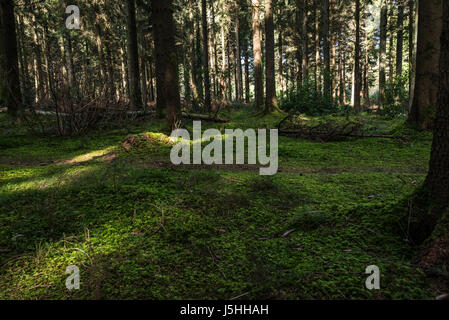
pixel 133 56
pixel 271 101
pixel 239 86
pixel 247 89
pixel 223 66
pixel 298 39
pixel 257 48
pixel 192 53
pixel 391 52
pixel 317 48
pixel 304 43
pixel 10 57
pixel 166 61
pixel 357 78
pixel 99 40
pixel 400 41
pixel 207 95
pixel 383 51
pixel 327 87
pixel 281 61
pixel 427 64
pixel 411 37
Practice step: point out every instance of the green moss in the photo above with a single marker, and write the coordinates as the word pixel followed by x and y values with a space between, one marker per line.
pixel 140 230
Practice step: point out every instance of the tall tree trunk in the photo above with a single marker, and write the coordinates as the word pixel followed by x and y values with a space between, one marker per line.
pixel 400 40
pixel 327 84
pixel 133 56
pixel 357 78
pixel 166 61
pixel 271 101
pixel 391 52
pixel 223 66
pixel 257 48
pixel 281 61
pixel 10 57
pixel 247 88
pixel 427 64
pixel 411 46
pixel 317 47
pixel 99 41
pixel 304 43
pixel 436 186
pixel 383 51
pixel 239 85
pixel 298 41
pixel 192 54
pixel 207 95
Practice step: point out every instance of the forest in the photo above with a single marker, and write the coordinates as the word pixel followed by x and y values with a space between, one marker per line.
pixel 98 97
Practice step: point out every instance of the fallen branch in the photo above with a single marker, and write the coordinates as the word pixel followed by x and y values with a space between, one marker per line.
pixel 205 117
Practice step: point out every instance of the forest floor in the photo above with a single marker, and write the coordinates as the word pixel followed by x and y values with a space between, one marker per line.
pixel 139 227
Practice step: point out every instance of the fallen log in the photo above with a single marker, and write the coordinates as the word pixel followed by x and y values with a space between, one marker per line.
pixel 205 117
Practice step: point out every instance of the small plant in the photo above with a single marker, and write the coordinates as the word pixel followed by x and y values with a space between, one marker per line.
pixel 396 98
pixel 308 100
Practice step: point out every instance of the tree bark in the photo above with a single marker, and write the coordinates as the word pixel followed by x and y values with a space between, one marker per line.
pixel 357 78
pixel 133 56
pixel 10 58
pixel 411 37
pixel 238 62
pixel 168 98
pixel 207 95
pixel 425 94
pixel 400 40
pixel 436 186
pixel 327 83
pixel 271 100
pixel 383 51
pixel 257 48
pixel 304 43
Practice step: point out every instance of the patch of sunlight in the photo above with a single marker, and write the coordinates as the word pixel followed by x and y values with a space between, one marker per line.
pixel 59 179
pixel 89 156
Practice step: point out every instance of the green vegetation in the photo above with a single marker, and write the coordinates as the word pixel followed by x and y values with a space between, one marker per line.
pixel 139 227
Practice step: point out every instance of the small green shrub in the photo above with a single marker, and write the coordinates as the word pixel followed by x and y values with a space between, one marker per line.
pixel 309 101
pixel 396 98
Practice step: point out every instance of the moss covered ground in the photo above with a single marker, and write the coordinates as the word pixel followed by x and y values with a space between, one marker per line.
pixel 141 228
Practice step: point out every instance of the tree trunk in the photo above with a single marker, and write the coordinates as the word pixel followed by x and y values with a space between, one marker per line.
pixel 133 56
pixel 207 96
pixel 257 48
pixel 411 37
pixel 400 41
pixel 166 61
pixel 271 101
pixel 192 53
pixel 10 57
pixel 383 51
pixel 298 40
pixel 247 89
pixel 436 186
pixel 357 78
pixel 427 64
pixel 317 48
pixel 327 84
pixel 304 43
pixel 238 62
